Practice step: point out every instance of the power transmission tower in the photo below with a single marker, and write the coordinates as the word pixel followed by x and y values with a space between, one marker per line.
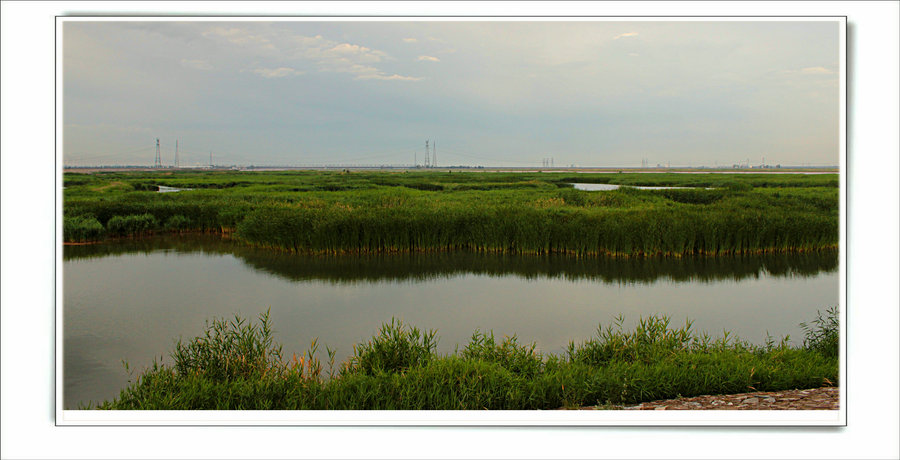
pixel 176 153
pixel 157 163
pixel 434 153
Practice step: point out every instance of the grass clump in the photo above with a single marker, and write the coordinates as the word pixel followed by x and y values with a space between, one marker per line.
pixel 509 354
pixel 396 349
pixel 823 334
pixel 82 229
pixel 230 350
pixel 237 365
pixel 177 223
pixel 132 225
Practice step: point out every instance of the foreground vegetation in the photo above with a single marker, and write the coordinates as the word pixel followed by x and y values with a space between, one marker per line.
pixel 237 365
pixel 531 213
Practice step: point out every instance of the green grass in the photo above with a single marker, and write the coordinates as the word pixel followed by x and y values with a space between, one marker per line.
pixel 82 228
pixel 521 213
pixel 238 365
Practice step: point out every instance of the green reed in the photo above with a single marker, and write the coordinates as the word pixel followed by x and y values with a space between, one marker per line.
pixel 524 213
pixel 82 229
pixel 237 365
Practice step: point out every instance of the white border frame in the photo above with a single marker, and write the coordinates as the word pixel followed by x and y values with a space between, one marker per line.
pixel 456 418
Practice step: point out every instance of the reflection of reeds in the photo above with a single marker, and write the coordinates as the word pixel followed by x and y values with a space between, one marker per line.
pixel 425 266
pixel 237 365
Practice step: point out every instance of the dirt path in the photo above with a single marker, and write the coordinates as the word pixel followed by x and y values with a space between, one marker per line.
pixel 825 398
pixel 110 185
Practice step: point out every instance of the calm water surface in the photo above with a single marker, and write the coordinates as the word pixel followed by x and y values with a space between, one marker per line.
pixel 132 300
pixel 608 187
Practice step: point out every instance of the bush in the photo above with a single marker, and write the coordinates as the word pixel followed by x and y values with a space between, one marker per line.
pixel 693 196
pixel 178 222
pixel 230 350
pixel 650 340
pixel 144 187
pixel 131 225
pixel 574 197
pixel 736 186
pixel 82 228
pixel 824 334
pixel 395 349
pixel 516 358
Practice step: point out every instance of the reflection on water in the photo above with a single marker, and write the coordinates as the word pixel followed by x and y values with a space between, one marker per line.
pixel 608 187
pixel 164 189
pixel 132 299
pixel 426 266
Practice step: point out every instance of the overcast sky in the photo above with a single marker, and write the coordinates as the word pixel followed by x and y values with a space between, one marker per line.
pixel 488 93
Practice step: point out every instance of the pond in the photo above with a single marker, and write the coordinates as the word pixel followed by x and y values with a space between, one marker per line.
pixel 165 189
pixel 607 187
pixel 131 300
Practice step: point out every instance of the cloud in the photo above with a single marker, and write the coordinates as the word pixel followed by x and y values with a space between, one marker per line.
pixel 238 36
pixel 350 51
pixel 626 34
pixel 387 77
pixel 286 51
pixel 809 71
pixel 198 64
pixel 276 73
pixel 429 58
pixel 410 40
pixel 816 71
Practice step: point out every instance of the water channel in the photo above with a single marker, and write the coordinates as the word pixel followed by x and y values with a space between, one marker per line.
pixel 608 187
pixel 131 300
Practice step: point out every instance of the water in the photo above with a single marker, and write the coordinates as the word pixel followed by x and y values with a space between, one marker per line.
pixel 607 187
pixel 131 300
pixel 165 189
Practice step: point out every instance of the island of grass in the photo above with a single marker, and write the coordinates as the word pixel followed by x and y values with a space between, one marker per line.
pixel 237 365
pixel 530 213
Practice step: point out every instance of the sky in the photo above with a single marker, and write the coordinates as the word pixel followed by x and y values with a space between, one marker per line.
pixel 484 93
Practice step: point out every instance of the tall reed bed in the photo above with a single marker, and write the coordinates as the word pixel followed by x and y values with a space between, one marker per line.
pixel 237 365
pixel 492 212
pixel 532 230
pixel 82 229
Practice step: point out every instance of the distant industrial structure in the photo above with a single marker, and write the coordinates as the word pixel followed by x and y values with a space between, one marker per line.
pixel 430 162
pixel 430 156
pixel 158 162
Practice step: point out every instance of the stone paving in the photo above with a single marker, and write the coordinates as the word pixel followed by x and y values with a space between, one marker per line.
pixel 825 398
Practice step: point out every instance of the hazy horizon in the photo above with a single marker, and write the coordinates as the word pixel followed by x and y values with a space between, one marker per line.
pixel 488 93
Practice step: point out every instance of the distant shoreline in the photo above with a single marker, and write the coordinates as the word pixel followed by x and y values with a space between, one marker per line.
pixel 598 169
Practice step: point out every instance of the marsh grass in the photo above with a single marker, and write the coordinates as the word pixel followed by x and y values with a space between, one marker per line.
pixel 238 365
pixel 823 335
pixel 396 349
pixel 521 213
pixel 134 225
pixel 85 228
